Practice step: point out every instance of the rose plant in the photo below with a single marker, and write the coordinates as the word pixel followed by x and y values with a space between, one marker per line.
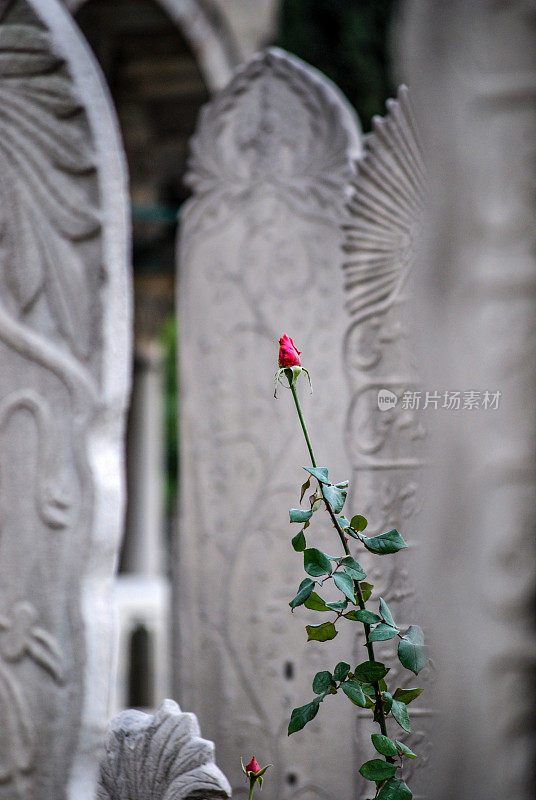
pixel 364 685
pixel 254 773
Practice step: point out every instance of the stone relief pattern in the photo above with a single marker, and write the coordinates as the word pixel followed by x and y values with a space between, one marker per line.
pixel 49 278
pixel 161 757
pixel 260 253
pixel 236 148
pixel 386 447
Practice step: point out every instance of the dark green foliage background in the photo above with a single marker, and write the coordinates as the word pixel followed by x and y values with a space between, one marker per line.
pixel 347 40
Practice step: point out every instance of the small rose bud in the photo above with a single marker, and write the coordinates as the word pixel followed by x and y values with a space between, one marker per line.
pixel 253 766
pixel 289 355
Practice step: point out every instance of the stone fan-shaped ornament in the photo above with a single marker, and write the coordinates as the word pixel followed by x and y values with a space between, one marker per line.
pixel 159 757
pixel 385 212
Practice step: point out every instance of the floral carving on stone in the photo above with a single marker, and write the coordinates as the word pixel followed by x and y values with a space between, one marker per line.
pixel 159 757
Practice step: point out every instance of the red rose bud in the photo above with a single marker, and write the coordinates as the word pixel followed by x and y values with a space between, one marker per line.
pixel 253 766
pixel 289 355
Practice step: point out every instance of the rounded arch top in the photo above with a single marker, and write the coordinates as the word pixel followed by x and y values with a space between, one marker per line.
pixel 207 33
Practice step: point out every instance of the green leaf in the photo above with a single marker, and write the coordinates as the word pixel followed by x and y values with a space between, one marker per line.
pixel 338 606
pixel 407 695
pixel 353 568
pixel 341 671
pixel 322 681
pixel 377 770
pixel 354 691
pixel 412 651
pixel 369 689
pixel 386 614
pixel 368 617
pixel 320 473
pixel 370 671
pixel 298 542
pixel 315 602
pixel 387 701
pixel 342 485
pixel 350 615
pixel 321 633
pixel 315 562
pixel 299 515
pixel 384 745
pixel 304 590
pixel 394 789
pixel 405 751
pixel 302 715
pixel 345 583
pixel 343 522
pixel 385 543
pixel 366 590
pixel 358 522
pixel 335 497
pixel 382 632
pixel 304 488
pixel 400 713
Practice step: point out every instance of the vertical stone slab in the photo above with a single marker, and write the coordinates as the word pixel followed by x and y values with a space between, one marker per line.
pixel 64 347
pixel 473 71
pixel 260 254
pixel 384 434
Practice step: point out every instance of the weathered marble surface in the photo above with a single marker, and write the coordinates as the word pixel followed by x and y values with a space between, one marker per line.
pixel 159 757
pixel 387 447
pixel 472 69
pixel 260 254
pixel 64 353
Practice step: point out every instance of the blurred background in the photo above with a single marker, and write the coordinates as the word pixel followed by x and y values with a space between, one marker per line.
pixel 159 81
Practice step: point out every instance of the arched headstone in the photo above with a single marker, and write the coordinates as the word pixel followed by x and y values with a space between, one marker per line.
pixel 384 434
pixel 64 355
pixel 260 254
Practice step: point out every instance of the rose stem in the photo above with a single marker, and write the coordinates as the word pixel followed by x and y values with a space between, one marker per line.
pixel 369 645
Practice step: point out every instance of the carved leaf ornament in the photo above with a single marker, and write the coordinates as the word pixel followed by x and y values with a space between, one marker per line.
pixel 159 757
pixel 46 213
pixel 20 638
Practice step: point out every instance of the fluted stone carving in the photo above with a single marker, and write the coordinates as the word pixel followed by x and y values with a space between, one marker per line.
pixel 386 446
pixel 160 757
pixel 63 381
pixel 260 253
pixel 472 68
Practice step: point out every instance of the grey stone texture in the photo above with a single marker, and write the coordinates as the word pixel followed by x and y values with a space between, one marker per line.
pixel 64 354
pixel 387 446
pixel 472 68
pixel 160 757
pixel 261 254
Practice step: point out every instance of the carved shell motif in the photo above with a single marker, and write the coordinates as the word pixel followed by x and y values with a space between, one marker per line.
pixel 159 757
pixel 386 212
pixel 46 181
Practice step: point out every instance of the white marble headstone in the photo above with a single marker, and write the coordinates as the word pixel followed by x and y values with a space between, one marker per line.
pixel 472 68
pixel 64 361
pixel 260 254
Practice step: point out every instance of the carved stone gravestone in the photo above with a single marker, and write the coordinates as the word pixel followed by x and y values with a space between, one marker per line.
pixel 64 355
pixel 260 254
pixel 384 433
pixel 472 68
